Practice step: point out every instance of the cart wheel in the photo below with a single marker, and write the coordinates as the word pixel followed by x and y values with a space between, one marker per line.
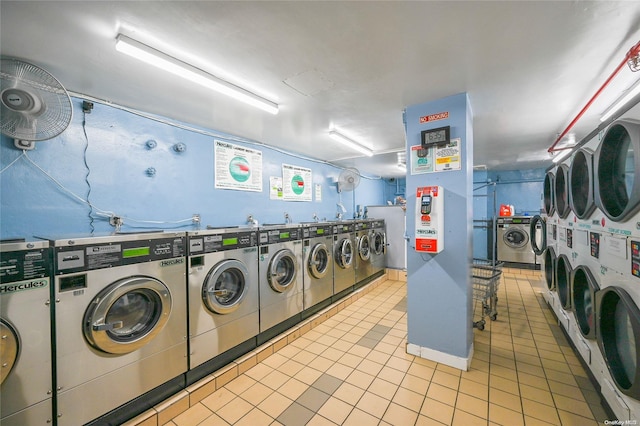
pixel 494 317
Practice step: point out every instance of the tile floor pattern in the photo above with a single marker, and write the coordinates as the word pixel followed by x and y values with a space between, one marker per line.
pixel 353 370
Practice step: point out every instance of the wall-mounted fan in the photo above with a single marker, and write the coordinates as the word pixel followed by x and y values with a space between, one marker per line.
pixel 34 105
pixel 348 180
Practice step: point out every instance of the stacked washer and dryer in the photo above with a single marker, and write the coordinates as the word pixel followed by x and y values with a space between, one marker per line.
pixel 592 259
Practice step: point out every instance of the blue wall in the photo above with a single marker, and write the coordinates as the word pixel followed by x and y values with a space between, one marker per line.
pixel 108 168
pixel 520 188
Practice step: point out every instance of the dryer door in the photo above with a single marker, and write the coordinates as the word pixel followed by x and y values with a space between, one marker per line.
pixel 583 292
pixel 9 349
pixel 225 286
pixel 127 314
pixel 618 331
pixel 319 261
pixel 344 253
pixel 282 270
pixel 516 237
pixel 364 248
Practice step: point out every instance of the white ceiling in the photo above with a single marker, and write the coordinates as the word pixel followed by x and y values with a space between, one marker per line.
pixel 528 67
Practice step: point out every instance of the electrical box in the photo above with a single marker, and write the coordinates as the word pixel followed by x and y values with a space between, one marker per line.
pixel 429 219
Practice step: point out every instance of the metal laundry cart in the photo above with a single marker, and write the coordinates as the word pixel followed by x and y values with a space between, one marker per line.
pixel 486 279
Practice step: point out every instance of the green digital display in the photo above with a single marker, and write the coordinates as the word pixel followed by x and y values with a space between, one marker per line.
pixel 284 235
pixel 229 241
pixel 320 231
pixel 516 221
pixel 135 252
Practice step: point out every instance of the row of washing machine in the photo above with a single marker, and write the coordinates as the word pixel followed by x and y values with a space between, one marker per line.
pixel 98 329
pixel 590 246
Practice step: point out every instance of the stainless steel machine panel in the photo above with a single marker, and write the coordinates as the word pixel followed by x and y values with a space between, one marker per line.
pixel 513 240
pixel 363 266
pixel 25 328
pixel 344 248
pixel 317 263
pixel 223 291
pixel 378 240
pixel 395 231
pixel 121 319
pixel 279 267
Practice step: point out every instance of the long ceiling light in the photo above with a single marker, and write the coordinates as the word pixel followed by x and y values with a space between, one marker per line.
pixel 350 143
pixel 631 93
pixel 175 66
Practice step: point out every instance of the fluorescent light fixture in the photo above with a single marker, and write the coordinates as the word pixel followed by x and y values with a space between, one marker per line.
pixel 561 156
pixel 631 93
pixel 175 66
pixel 351 143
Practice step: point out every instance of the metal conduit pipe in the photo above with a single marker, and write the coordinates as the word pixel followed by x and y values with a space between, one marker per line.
pixel 632 55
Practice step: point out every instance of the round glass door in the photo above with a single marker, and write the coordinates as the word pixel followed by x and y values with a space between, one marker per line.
pixel 581 183
pixel 562 191
pixel 618 334
pixel 225 286
pixel 319 261
pixel 364 248
pixel 9 349
pixel 282 270
pixel 538 232
pixel 516 238
pixel 563 276
pixel 549 183
pixel 550 268
pixel 127 315
pixel 583 297
pixel 344 255
pixel 378 243
pixel 618 186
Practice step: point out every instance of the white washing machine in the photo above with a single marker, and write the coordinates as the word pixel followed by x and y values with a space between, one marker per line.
pixel 223 291
pixel 25 329
pixel 378 246
pixel 344 276
pixel 121 320
pixel 363 266
pixel 317 264
pixel 513 240
pixel 281 285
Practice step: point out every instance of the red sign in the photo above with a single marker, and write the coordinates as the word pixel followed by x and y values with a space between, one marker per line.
pixel 434 117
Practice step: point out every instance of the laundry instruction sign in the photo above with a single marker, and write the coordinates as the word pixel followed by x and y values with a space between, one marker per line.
pixel 237 167
pixel 436 158
pixel 296 183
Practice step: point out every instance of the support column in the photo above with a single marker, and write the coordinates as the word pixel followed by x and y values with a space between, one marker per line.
pixel 439 288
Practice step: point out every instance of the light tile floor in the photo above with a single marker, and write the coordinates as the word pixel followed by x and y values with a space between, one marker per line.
pixel 353 370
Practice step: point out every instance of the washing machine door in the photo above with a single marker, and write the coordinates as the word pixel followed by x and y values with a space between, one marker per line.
pixel 319 261
pixel 364 247
pixel 378 243
pixel 516 237
pixel 127 314
pixel 282 270
pixel 225 286
pixel 9 349
pixel 344 253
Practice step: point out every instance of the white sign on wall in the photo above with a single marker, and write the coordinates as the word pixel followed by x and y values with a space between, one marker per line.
pixel 237 167
pixel 296 183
